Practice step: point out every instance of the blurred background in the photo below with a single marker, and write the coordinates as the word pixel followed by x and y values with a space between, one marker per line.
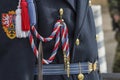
pixel 109 41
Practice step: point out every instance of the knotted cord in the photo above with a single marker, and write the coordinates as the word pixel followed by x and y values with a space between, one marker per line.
pixel 59 28
pixel 60 31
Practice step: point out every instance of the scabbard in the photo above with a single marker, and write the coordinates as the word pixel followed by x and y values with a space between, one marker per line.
pixel 40 55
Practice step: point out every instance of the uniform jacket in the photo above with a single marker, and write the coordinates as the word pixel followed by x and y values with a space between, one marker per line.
pixel 79 19
pixel 16 56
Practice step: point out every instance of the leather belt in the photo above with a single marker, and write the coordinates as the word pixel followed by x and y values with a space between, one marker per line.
pixel 75 68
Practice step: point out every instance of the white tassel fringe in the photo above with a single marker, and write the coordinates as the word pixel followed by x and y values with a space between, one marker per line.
pixel 18 24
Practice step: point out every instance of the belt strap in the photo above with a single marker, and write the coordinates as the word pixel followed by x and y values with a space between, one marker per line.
pixel 75 68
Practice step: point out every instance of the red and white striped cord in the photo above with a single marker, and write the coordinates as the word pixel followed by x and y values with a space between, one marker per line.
pixel 59 28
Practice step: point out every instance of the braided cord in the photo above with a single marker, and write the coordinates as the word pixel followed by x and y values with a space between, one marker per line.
pixel 59 28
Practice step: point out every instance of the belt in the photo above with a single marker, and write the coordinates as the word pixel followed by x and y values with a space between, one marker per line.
pixel 75 68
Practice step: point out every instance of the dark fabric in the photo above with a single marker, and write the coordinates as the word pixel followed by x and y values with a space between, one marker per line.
pixel 16 56
pixel 78 16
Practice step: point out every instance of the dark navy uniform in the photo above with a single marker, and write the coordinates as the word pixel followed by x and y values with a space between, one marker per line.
pixel 16 55
pixel 17 59
pixel 79 19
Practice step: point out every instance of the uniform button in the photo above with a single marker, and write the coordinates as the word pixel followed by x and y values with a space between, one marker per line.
pixel 77 42
pixel 80 77
pixel 97 37
pixel 90 3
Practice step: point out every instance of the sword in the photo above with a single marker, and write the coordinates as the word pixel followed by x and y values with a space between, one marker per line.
pixel 40 56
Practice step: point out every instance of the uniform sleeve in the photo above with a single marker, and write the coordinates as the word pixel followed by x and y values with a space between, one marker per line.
pixel 114 6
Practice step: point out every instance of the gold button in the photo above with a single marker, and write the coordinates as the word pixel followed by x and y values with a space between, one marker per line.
pixel 77 42
pixel 90 3
pixel 97 37
pixel 80 76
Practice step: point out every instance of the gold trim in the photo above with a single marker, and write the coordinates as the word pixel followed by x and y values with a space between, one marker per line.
pixel 61 11
pixel 97 37
pixel 77 42
pixel 90 3
pixel 92 66
pixel 80 76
